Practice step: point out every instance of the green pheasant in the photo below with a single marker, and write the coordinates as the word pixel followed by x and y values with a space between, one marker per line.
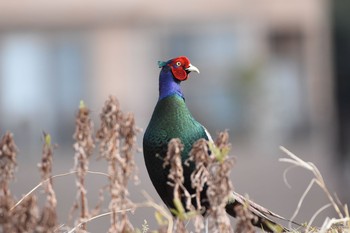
pixel 172 119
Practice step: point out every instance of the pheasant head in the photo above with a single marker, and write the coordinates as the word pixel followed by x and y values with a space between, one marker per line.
pixel 173 72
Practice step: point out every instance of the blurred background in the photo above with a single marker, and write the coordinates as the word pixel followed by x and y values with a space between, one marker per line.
pixel 272 73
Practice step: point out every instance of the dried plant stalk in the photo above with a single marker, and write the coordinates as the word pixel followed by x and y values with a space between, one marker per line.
pixel 8 153
pixel 212 169
pixel 48 219
pixel 83 146
pixel 219 184
pixel 173 158
pixel 26 216
pixel 6 202
pixel 176 180
pixel 199 154
pixel 117 135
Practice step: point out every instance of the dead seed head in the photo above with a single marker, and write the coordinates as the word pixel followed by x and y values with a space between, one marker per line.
pixel 83 132
pixel 173 158
pixel 222 141
pixel 83 146
pixel 8 153
pixel 199 155
pixel 117 136
pixel 219 184
pixel 46 160
pixel 48 218
pixel 110 118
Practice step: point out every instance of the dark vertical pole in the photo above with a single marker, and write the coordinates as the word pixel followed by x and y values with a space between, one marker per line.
pixel 341 48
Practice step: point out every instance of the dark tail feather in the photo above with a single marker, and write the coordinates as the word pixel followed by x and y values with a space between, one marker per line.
pixel 263 215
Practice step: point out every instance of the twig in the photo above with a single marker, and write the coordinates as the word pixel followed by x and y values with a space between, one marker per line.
pixel 295 160
pixel 97 216
pixel 315 215
pixel 48 179
pixel 149 203
pixel 285 175
pixel 300 203
pixel 329 222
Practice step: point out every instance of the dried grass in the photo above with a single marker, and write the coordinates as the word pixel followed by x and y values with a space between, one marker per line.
pixel 329 223
pixel 117 145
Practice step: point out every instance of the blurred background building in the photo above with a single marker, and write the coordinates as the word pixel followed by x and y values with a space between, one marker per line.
pixel 272 72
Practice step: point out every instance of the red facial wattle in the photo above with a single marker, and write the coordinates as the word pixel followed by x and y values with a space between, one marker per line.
pixel 179 73
pixel 179 67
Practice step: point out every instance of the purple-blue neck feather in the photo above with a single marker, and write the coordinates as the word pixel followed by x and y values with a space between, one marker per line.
pixel 168 85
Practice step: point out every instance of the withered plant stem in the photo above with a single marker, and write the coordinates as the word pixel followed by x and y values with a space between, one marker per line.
pixel 117 136
pixel 83 146
pixel 48 219
pixel 8 154
pixel 219 184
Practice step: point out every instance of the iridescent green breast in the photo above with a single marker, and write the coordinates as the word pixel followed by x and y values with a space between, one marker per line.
pixel 171 119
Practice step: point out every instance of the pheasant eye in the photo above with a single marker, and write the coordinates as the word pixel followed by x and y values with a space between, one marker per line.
pixel 178 63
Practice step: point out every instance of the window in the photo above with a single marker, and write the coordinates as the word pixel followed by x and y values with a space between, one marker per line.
pixel 41 83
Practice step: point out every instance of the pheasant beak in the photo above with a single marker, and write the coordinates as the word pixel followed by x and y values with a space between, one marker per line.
pixel 192 68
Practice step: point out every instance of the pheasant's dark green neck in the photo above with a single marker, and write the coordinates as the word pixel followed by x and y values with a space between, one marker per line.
pixel 168 85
